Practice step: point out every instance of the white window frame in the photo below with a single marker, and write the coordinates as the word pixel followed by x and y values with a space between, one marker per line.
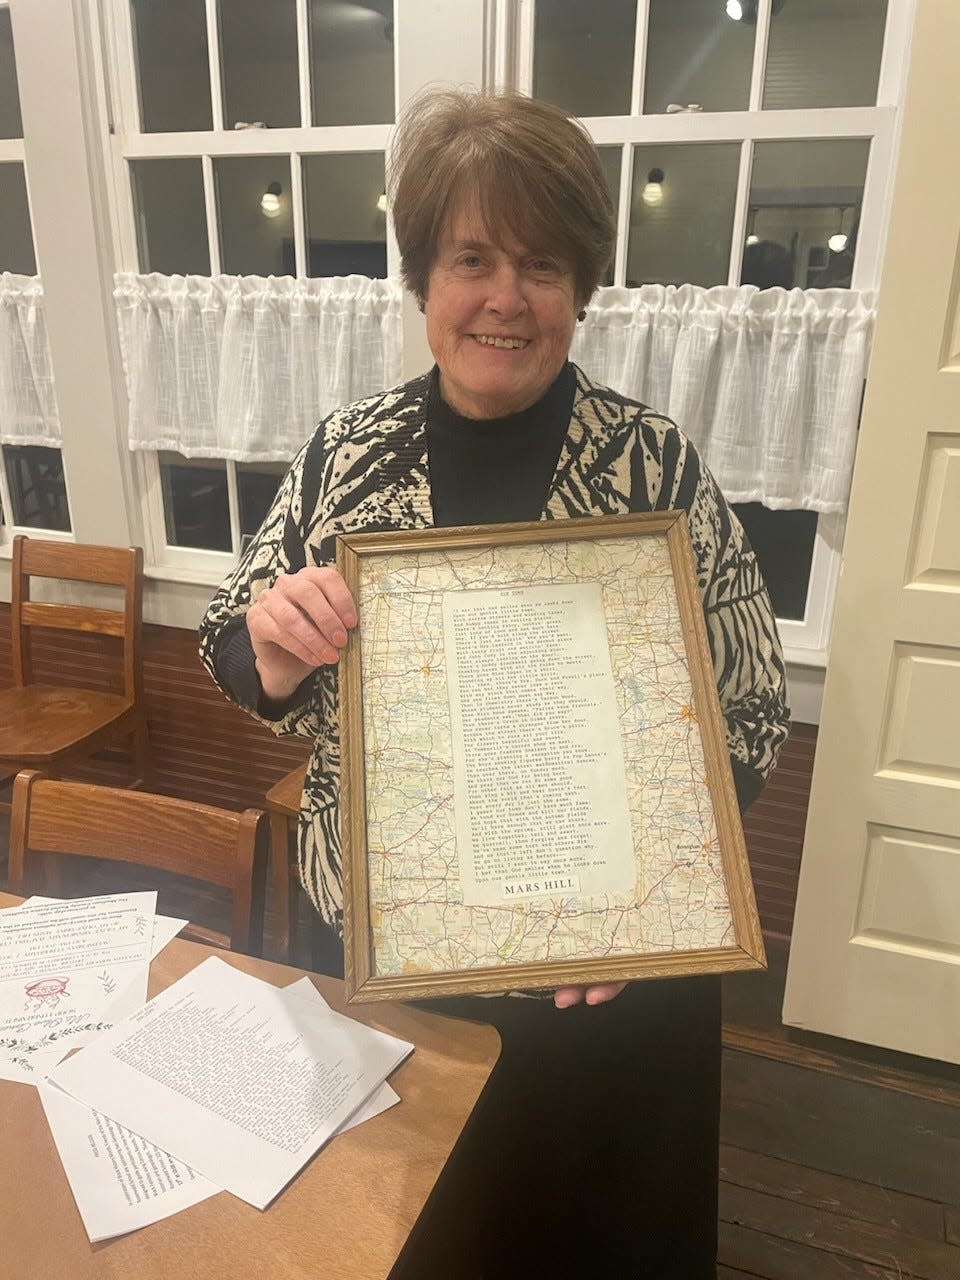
pixel 805 640
pixel 128 143
pixel 13 151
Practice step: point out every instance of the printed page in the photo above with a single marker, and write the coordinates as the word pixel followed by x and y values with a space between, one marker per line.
pixel 69 970
pixel 540 795
pixel 165 928
pixel 121 1182
pixel 239 1081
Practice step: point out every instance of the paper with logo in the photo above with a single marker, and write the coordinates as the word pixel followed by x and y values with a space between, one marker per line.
pixel 68 971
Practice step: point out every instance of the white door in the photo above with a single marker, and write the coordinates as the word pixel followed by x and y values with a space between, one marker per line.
pixel 876 941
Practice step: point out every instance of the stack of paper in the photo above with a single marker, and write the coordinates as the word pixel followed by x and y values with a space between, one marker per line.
pixel 68 971
pixel 222 1081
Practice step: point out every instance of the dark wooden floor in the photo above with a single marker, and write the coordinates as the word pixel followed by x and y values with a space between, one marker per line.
pixel 838 1160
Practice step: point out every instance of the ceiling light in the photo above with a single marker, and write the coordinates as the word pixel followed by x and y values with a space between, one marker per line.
pixel 753 239
pixel 734 10
pixel 838 241
pixel 652 193
pixel 382 203
pixel 270 200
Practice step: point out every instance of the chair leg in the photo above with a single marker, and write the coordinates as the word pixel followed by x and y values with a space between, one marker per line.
pixel 142 758
pixel 281 885
pixel 299 955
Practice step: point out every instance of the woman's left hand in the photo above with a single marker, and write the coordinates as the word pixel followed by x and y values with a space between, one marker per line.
pixel 566 997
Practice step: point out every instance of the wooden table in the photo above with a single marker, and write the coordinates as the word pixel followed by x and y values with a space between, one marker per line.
pixel 346 1216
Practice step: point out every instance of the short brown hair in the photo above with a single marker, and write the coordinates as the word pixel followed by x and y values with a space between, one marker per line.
pixel 533 172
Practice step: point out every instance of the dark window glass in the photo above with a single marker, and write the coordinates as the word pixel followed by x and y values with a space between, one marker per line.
pixel 345 214
pixel 804 213
pixel 583 55
pixel 256 217
pixel 681 213
pixel 258 62
pixel 10 123
pixel 173 67
pixel 37 489
pixel 697 56
pixel 257 485
pixel 171 216
pixel 16 235
pixel 196 509
pixel 351 61
pixel 783 541
pixel 824 53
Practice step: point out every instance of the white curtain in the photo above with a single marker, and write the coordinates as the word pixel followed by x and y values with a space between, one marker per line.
pixel 28 406
pixel 767 384
pixel 244 367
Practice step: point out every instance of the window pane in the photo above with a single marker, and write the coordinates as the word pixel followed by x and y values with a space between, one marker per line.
pixel 783 541
pixel 696 54
pixel 258 60
pixel 16 237
pixel 173 68
pixel 351 61
pixel 171 218
pixel 10 125
pixel 681 213
pixel 824 53
pixel 256 220
pixel 196 510
pixel 583 55
pixel 257 485
pixel 610 160
pixel 804 213
pixel 346 229
pixel 38 493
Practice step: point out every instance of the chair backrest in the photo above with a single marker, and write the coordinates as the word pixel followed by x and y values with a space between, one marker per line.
pixel 73 562
pixel 213 845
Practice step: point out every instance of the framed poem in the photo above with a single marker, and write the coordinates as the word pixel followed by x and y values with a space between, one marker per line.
pixel 535 783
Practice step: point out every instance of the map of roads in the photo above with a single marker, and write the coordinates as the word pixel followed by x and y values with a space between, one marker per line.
pixel 420 921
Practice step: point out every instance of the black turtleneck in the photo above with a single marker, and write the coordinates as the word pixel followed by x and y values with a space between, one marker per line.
pixel 495 470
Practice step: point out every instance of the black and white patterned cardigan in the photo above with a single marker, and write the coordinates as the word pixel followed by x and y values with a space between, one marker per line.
pixel 365 468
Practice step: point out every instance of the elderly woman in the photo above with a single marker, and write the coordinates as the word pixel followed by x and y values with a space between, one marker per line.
pixel 594 1152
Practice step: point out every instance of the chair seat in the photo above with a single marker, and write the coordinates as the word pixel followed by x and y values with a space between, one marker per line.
pixel 41 721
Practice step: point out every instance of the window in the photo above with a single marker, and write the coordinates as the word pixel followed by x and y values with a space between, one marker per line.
pixel 33 494
pixel 752 143
pixel 249 141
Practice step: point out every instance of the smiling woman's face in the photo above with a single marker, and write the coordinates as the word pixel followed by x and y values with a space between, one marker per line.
pixel 500 319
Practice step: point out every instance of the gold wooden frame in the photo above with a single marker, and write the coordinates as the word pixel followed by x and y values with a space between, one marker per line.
pixel 362 981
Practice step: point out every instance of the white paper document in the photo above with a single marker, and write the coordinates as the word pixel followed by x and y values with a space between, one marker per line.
pixel 68 970
pixel 165 928
pixel 120 1181
pixel 240 1081
pixel 540 794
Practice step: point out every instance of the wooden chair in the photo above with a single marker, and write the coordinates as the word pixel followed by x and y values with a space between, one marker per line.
pixel 214 845
pixel 50 726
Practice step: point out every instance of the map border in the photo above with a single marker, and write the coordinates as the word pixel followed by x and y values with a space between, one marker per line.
pixel 363 983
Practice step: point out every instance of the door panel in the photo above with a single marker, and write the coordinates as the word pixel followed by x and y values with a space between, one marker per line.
pixel 876 941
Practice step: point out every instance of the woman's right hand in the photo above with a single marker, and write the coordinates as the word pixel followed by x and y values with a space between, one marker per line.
pixel 297 625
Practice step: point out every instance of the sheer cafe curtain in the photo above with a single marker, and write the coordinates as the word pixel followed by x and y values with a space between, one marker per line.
pixel 28 406
pixel 767 384
pixel 244 367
